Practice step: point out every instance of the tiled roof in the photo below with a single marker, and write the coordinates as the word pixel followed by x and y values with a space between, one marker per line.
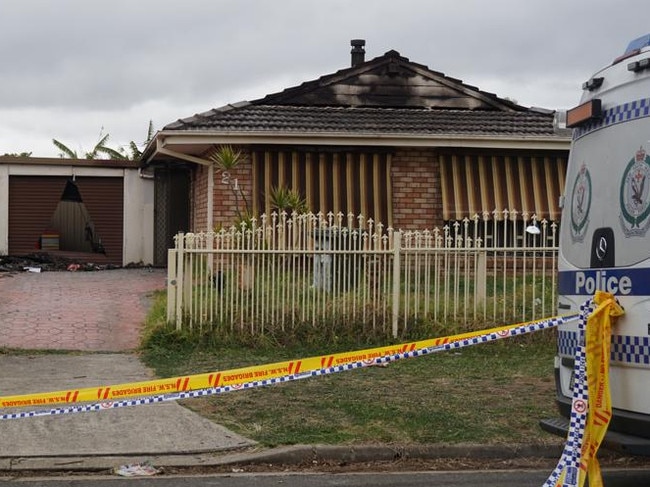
pixel 369 121
pixel 389 81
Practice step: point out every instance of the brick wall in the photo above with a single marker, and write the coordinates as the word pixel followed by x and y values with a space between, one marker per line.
pixel 199 203
pixel 415 176
pixel 417 200
pixel 225 202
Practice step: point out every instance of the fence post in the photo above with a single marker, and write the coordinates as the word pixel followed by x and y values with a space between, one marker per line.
pixel 171 286
pixel 480 280
pixel 397 245
pixel 210 249
pixel 180 278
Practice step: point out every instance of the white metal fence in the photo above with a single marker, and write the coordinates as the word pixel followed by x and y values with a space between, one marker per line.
pixel 284 271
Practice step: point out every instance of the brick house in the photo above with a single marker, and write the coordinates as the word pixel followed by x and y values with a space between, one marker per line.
pixel 387 138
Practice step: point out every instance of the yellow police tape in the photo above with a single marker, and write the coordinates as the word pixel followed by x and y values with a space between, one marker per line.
pixel 234 377
pixel 597 349
pixel 599 405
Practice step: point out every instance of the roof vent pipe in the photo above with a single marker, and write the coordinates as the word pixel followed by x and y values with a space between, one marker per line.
pixel 358 52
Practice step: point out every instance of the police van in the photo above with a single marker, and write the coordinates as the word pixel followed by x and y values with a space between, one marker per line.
pixel 605 239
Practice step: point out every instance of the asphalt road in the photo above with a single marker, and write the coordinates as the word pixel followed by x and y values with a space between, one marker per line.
pixel 525 478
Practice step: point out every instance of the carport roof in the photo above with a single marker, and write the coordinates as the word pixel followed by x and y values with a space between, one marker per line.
pixel 59 161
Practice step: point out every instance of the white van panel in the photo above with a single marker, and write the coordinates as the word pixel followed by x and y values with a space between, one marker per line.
pixel 605 240
pixel 602 178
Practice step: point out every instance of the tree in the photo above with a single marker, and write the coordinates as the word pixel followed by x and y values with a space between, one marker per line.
pixel 136 153
pixel 14 154
pixel 99 149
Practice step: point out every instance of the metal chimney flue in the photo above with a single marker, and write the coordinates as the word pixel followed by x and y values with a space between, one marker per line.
pixel 358 52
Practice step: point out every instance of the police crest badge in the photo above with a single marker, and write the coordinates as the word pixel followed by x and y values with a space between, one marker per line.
pixel 580 204
pixel 635 195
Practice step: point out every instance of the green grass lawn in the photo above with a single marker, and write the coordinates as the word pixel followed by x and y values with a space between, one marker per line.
pixel 490 393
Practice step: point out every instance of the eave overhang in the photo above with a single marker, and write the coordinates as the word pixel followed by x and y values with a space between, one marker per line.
pixel 193 146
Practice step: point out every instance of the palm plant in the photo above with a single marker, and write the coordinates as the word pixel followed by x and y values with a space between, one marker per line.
pixel 226 159
pixel 100 148
pixel 136 153
pixel 289 200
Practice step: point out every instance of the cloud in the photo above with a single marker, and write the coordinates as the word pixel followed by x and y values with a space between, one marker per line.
pixel 72 66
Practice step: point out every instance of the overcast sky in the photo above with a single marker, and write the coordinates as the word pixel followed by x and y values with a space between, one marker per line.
pixel 69 68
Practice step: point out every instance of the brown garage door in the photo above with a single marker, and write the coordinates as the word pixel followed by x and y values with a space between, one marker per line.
pixel 33 201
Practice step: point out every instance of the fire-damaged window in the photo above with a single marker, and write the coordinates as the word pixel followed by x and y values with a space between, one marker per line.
pixel 474 182
pixel 356 182
pixel 506 190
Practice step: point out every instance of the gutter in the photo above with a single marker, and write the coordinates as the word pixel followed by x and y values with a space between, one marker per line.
pixel 171 138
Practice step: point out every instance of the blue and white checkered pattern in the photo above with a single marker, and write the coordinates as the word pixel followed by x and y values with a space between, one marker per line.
pixel 515 330
pixel 631 349
pixel 622 113
pixel 567 342
pixel 571 455
pixel 626 349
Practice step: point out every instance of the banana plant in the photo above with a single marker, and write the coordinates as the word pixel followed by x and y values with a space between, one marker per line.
pixel 100 148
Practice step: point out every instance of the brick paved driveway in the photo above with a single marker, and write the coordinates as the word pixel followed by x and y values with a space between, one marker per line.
pixel 86 311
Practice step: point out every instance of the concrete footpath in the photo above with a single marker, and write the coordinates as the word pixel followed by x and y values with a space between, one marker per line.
pixel 149 430
pixel 93 314
pixel 98 316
